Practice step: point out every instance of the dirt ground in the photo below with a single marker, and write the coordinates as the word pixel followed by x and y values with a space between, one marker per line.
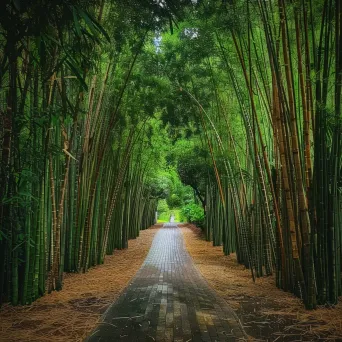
pixel 267 313
pixel 71 314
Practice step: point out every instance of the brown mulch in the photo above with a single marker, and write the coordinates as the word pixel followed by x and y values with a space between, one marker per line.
pixel 71 314
pixel 261 306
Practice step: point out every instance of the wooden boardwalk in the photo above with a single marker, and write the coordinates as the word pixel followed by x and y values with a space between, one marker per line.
pixel 169 300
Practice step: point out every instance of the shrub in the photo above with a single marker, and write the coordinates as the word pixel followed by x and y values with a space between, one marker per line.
pixel 193 213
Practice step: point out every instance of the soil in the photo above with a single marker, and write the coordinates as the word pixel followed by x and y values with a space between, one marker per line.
pixel 71 314
pixel 266 312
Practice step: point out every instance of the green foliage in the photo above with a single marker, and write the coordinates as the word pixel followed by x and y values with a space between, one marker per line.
pixel 99 124
pixel 174 201
pixel 162 207
pixel 193 213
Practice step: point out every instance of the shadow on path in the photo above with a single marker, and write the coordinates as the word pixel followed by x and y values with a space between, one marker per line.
pixel 169 300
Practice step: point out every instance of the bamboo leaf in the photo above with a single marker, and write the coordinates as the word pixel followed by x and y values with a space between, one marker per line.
pixel 77 74
pixel 89 23
pixel 76 21
pixel 100 28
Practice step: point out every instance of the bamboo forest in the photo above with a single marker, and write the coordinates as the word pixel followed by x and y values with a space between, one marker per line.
pixel 216 122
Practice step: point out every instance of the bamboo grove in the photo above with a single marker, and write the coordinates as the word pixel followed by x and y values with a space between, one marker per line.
pixel 74 181
pixel 275 196
pixel 249 91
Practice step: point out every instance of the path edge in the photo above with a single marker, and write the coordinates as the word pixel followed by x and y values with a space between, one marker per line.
pixel 248 338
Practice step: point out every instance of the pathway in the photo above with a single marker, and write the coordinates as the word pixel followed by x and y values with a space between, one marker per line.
pixel 169 300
